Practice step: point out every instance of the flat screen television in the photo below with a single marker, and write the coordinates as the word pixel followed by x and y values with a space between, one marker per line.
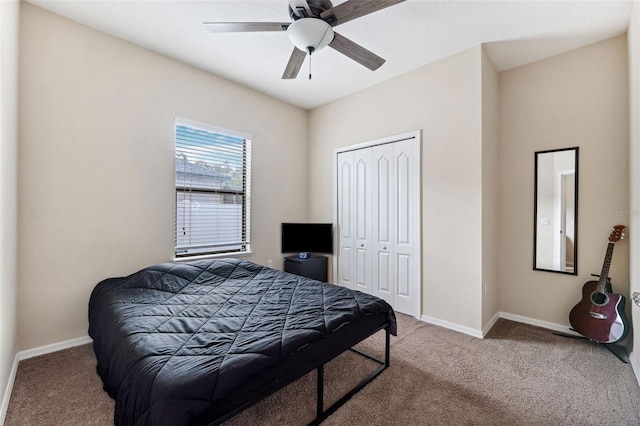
pixel 307 238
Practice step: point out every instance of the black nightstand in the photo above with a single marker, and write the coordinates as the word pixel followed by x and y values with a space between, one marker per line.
pixel 314 266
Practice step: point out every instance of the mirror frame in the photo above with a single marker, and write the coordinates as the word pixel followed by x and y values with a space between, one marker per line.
pixel 575 213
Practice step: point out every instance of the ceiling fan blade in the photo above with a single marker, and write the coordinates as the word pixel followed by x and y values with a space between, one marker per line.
pixel 356 52
pixel 353 9
pixel 234 27
pixel 294 65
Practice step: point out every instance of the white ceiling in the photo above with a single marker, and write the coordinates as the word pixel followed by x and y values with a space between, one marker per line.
pixel 408 35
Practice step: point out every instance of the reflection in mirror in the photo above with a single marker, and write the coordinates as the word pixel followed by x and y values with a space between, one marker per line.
pixel 555 229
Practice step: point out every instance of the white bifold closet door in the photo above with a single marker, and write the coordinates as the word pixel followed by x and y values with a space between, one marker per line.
pixel 355 267
pixel 378 221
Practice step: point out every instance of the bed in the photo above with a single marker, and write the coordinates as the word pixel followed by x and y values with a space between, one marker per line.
pixel 194 343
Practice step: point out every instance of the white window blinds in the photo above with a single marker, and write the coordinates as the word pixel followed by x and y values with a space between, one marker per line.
pixel 212 190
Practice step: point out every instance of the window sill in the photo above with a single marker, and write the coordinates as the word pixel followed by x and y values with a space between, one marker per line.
pixel 213 256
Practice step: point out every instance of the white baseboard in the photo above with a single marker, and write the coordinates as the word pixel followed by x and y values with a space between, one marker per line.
pixel 512 317
pixel 538 323
pixel 54 347
pixel 490 324
pixel 452 326
pixel 7 392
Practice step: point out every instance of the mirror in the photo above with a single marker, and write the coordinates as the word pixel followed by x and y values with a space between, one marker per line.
pixel 555 228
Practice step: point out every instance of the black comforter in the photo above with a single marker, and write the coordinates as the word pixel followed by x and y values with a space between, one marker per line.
pixel 179 343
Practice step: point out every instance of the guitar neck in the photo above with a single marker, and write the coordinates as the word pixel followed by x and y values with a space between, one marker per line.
pixel 604 273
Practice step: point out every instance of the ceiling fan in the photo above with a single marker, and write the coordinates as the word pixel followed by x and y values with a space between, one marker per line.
pixel 311 29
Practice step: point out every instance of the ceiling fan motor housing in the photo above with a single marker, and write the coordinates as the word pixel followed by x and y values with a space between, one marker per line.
pixel 315 6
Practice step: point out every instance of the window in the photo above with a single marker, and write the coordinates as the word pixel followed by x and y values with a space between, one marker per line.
pixel 212 190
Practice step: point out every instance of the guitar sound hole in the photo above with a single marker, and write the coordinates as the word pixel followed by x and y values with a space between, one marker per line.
pixel 599 299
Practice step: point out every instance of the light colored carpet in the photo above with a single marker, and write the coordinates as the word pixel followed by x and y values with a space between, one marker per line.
pixel 517 375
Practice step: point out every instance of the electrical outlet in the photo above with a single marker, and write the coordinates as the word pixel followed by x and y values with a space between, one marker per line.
pixel 270 263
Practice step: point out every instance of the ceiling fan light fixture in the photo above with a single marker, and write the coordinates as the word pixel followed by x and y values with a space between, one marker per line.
pixel 310 34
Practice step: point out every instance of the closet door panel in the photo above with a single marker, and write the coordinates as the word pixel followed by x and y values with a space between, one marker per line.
pixel 345 276
pixel 363 188
pixel 362 219
pixel 407 234
pixel 403 277
pixel 345 220
pixel 384 276
pixel 383 228
pixel 382 199
pixel 403 201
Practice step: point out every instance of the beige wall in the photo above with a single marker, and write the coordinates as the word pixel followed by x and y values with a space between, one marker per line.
pixel 634 165
pixel 96 164
pixel 575 99
pixel 9 21
pixel 490 189
pixel 444 101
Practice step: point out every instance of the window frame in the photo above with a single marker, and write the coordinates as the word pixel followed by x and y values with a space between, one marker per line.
pixel 184 189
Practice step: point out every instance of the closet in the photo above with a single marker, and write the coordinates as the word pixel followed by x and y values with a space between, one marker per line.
pixel 377 216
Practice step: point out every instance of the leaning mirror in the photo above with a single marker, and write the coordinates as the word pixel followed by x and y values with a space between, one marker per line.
pixel 555 228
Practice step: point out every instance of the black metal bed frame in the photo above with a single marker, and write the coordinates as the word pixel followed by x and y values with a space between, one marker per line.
pixel 321 413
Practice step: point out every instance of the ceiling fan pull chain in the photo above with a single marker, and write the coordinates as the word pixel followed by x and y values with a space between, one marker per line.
pixel 310 49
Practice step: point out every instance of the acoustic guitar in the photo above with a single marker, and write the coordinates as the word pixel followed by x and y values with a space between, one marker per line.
pixel 599 316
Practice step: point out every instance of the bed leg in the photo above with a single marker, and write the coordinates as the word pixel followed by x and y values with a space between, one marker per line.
pixel 387 344
pixel 383 365
pixel 320 392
